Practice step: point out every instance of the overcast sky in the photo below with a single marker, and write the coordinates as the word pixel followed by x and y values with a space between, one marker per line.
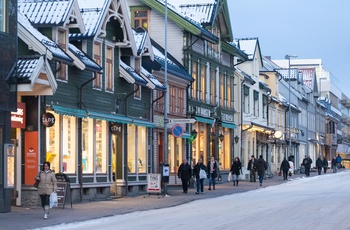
pixel 316 29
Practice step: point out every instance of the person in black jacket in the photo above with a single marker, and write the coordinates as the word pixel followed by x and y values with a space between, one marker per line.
pixel 319 165
pixel 185 173
pixel 252 169
pixel 285 166
pixel 325 165
pixel 334 164
pixel 236 169
pixel 212 167
pixel 196 172
pixel 307 164
pixel 261 166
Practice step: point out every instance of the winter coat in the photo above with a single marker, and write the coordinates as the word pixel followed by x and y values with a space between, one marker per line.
pixel 236 167
pixel 307 162
pixel 334 162
pixel 325 163
pixel 185 171
pixel 285 166
pixel 215 170
pixel 197 168
pixel 251 165
pixel 261 166
pixel 319 163
pixel 48 182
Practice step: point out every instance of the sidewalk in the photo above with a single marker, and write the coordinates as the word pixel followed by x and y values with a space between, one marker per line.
pixel 27 218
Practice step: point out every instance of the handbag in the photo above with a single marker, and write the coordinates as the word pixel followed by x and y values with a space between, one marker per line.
pixel 229 177
pixel 219 178
pixel 279 173
pixel 53 200
pixel 202 174
pixel 36 184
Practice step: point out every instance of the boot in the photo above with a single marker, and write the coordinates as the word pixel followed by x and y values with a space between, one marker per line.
pixel 234 183
pixel 237 182
pixel 209 188
pixel 46 211
pixel 214 187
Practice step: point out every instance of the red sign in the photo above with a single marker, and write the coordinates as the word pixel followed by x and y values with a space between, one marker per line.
pixel 18 118
pixel 31 157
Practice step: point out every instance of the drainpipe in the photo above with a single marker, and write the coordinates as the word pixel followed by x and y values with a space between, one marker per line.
pixel 125 142
pixel 80 154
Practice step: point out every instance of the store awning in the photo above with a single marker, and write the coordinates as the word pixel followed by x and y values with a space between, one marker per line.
pixel 206 120
pixel 144 123
pixel 110 117
pixel 69 111
pixel 228 125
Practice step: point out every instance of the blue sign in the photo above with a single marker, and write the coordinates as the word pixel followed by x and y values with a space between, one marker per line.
pixel 177 130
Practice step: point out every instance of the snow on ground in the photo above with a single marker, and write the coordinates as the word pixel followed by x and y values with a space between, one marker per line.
pixel 320 202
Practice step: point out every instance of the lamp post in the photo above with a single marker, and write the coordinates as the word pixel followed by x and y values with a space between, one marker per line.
pixel 289 105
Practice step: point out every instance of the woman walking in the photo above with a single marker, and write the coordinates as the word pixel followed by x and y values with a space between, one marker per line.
pixel 196 172
pixel 47 185
pixel 236 168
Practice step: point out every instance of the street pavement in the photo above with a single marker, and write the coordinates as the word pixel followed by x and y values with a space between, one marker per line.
pixel 30 218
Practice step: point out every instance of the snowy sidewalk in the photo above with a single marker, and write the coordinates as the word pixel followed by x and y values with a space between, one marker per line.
pixel 26 218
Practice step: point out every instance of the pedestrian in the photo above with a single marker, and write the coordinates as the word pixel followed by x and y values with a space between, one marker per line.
pixel 325 165
pixel 261 166
pixel 339 160
pixel 252 169
pixel 334 164
pixel 185 173
pixel 285 168
pixel 236 169
pixel 213 168
pixel 307 164
pixel 319 164
pixel 47 186
pixel 196 172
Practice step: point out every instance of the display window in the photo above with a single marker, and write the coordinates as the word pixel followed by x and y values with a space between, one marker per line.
pixel 225 150
pixel 53 144
pixel 200 144
pixel 137 149
pixel 69 140
pixel 175 152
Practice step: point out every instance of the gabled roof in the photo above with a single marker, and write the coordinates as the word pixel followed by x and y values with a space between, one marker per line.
pixel 88 62
pixel 35 77
pixel 44 13
pixel 143 42
pixel 152 79
pixel 203 13
pixel 246 76
pixel 130 75
pixel 182 21
pixel 40 43
pixel 268 65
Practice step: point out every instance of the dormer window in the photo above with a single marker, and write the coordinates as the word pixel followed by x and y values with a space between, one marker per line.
pixel 62 43
pixel 97 83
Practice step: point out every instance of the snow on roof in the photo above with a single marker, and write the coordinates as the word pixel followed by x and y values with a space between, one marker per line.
pixel 248 45
pixel 202 13
pixel 88 62
pixel 140 39
pixel 153 79
pixel 49 12
pixel 56 51
pixel 25 68
pixel 132 72
pixel 269 65
pixel 91 12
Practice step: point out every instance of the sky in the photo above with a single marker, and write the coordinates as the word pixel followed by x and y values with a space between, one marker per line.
pixel 301 203
pixel 310 29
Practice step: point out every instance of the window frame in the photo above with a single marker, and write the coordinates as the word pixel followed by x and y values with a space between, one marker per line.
pixel 97 82
pixel 109 73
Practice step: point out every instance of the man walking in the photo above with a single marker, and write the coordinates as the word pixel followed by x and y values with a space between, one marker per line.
pixel 339 160
pixel 185 173
pixel 319 164
pixel 212 169
pixel 307 164
pixel 334 164
pixel 252 169
pixel 285 166
pixel 261 167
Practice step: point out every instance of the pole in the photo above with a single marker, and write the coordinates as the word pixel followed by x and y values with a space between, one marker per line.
pixel 289 111
pixel 165 147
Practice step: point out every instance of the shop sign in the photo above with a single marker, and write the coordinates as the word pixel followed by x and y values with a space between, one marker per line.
pixel 48 119
pixel 31 157
pixel 18 119
pixel 115 128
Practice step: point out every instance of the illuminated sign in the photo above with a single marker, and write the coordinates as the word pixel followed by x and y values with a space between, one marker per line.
pixel 18 118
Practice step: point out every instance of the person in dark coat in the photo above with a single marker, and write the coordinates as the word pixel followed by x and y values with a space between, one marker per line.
pixel 285 166
pixel 185 173
pixel 196 171
pixel 319 164
pixel 212 167
pixel 325 165
pixel 307 164
pixel 261 166
pixel 334 164
pixel 236 169
pixel 252 169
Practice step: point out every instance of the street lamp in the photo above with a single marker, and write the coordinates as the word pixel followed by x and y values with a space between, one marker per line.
pixel 289 105
pixel 236 139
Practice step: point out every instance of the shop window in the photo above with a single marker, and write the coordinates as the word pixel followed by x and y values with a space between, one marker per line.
pixel 200 144
pixel 53 144
pixel 137 149
pixel 109 70
pixel 225 150
pixel 140 19
pixel 94 146
pixel 69 140
pixel 97 50
pixel 175 152
pixel 3 16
